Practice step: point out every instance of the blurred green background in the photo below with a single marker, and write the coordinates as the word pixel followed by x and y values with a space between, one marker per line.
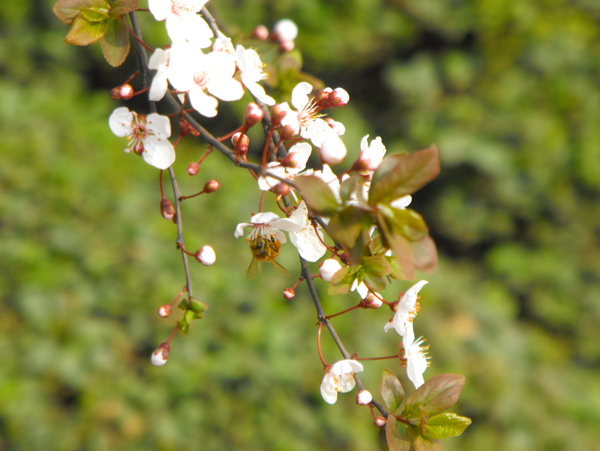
pixel 508 90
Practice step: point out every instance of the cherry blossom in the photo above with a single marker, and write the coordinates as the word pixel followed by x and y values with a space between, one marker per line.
pixel 295 162
pixel 182 21
pixel 307 240
pixel 159 61
pixel 268 225
pixel 306 120
pixel 406 310
pixel 371 154
pixel 147 135
pixel 416 360
pixel 339 378
pixel 203 76
pixel 251 68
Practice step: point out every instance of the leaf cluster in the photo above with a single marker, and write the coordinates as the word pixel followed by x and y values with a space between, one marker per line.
pixel 422 422
pixel 98 20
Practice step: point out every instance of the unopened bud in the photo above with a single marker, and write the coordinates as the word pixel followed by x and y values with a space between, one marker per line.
pixel 285 30
pixel 115 93
pixel 339 97
pixel 289 293
pixel 185 128
pixel 379 422
pixel 241 143
pixel 165 310
pixel 193 168
pixel 328 268
pixel 364 398
pixel 126 91
pixel 332 150
pixel 286 46
pixel 160 355
pixel 371 301
pixel 260 32
pixel 211 186
pixel 253 115
pixel 288 132
pixel 336 126
pixel 293 161
pixel 206 255
pixel 166 209
pixel 281 189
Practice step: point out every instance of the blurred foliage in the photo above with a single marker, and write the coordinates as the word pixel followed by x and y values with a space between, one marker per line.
pixel 508 90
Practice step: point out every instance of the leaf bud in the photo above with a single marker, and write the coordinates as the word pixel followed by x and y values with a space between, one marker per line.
pixel 289 293
pixel 328 268
pixel 379 422
pixel 206 255
pixel 166 209
pixel 193 168
pixel 211 186
pixel 161 354
pixel 253 115
pixel 364 398
pixel 165 310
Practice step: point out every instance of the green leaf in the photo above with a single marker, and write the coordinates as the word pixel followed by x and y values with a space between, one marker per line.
pixel 394 435
pixel 391 390
pixel 94 14
pixel 402 174
pixel 84 32
pixel 445 425
pixel 421 443
pixel 350 228
pixel 317 195
pixel 342 280
pixel 425 257
pixel 115 45
pixel 121 7
pixel 406 222
pixel 399 246
pixel 437 394
pixel 376 265
pixel 67 10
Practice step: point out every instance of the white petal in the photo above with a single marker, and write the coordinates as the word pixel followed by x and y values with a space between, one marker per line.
pixel 158 59
pixel 227 89
pixel 345 367
pixel 333 150
pixel 239 229
pixel 120 121
pixel 402 202
pixel 158 152
pixel 300 94
pixel 204 104
pixel 264 217
pixel 258 92
pixel 328 391
pixel 159 125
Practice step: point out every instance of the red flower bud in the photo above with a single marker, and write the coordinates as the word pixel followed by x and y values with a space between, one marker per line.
pixel 165 310
pixel 115 93
pixel 289 293
pixel 211 186
pixel 126 91
pixel 253 115
pixel 166 209
pixel 193 168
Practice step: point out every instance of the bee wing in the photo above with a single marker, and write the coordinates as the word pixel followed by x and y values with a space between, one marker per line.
pixel 254 268
pixel 281 269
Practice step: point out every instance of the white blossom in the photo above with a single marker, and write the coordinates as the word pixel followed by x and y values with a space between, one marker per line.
pixel 147 135
pixel 307 240
pixel 182 21
pixel 268 225
pixel 339 378
pixel 406 310
pixel 251 69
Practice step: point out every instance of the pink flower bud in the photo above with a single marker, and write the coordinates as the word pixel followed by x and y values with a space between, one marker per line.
pixel 371 301
pixel 286 46
pixel 364 398
pixel 206 255
pixel 193 168
pixel 339 97
pixel 115 93
pixel 328 268
pixel 260 32
pixel 332 150
pixel 126 91
pixel 165 310
pixel 211 186
pixel 166 209
pixel 253 115
pixel 289 293
pixel 288 132
pixel 285 30
pixel 379 422
pixel 160 355
pixel 241 143
pixel 281 189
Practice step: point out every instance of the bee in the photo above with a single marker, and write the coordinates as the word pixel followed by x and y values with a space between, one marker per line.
pixel 264 249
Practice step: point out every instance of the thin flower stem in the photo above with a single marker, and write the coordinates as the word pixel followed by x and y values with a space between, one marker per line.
pixel 343 311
